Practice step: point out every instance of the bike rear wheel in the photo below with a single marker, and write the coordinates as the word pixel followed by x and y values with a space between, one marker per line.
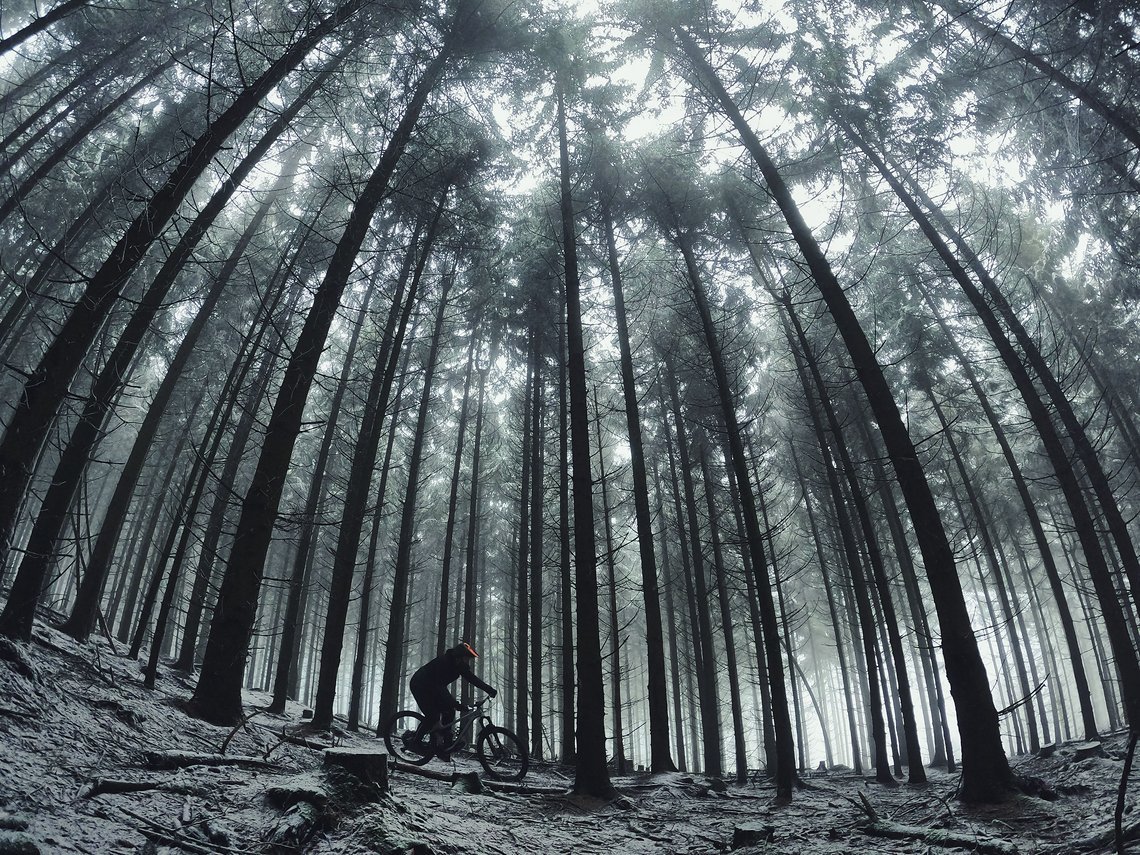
pixel 400 738
pixel 501 754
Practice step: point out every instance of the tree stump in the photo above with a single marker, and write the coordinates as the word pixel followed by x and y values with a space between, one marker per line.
pixel 752 834
pixel 466 782
pixel 371 767
pixel 1085 750
pixel 17 843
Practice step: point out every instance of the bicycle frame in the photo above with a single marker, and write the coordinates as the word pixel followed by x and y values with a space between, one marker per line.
pixel 465 722
pixel 497 749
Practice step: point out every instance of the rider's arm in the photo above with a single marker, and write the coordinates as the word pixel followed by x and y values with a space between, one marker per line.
pixel 470 677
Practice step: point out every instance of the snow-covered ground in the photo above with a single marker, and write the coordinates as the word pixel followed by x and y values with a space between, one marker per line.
pixel 74 715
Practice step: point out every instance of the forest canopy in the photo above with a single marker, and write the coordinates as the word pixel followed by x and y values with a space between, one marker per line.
pixel 753 385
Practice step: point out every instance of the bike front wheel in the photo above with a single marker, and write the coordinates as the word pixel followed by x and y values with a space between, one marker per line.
pixel 501 754
pixel 400 738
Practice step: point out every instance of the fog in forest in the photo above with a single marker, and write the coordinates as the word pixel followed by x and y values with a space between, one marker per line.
pixel 752 385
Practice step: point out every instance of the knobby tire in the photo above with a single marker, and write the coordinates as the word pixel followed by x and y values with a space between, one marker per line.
pixel 394 732
pixel 501 754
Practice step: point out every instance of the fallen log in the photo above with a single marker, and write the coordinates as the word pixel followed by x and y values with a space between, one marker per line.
pixel 108 786
pixel 182 759
pixel 938 837
pixel 878 827
pixel 462 779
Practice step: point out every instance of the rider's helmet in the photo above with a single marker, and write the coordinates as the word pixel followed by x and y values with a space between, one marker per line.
pixel 465 649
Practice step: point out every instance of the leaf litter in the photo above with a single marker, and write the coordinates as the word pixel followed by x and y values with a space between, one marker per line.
pixel 91 762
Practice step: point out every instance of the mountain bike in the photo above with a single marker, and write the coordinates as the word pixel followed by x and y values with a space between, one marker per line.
pixel 500 752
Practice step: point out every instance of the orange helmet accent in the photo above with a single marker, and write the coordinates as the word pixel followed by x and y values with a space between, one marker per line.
pixel 464 647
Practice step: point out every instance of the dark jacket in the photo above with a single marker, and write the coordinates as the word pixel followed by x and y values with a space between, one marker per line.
pixel 444 670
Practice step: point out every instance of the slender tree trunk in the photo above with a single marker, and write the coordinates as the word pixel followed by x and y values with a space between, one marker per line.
pixel 833 610
pixel 82 618
pixel 726 621
pixel 620 761
pixel 537 448
pixel 217 697
pixel 41 23
pixel 1123 650
pixel 303 555
pixel 767 732
pixel 209 552
pixel 453 498
pixel 394 653
pixel 591 777
pixel 357 490
pixel 671 621
pixel 917 773
pixel 679 515
pixel 699 597
pixel 566 591
pixel 660 759
pixel 785 760
pixel 1044 547
pixel 519 600
pixel 986 775
pixel 996 573
pixel 48 383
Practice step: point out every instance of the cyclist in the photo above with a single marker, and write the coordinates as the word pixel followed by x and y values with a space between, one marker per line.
pixel 429 688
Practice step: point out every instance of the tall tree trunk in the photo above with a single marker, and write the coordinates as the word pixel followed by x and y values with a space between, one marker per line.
pixel 1123 650
pixel 859 587
pixel 346 554
pixel 767 732
pixel 565 576
pixel 82 618
pixel 394 653
pixel 537 448
pixel 782 724
pixel 445 584
pixel 48 383
pixel 679 515
pixel 303 555
pixel 660 758
pixel 704 651
pixel 620 761
pixel 986 775
pixel 591 775
pixel 917 773
pixel 671 622
pixel 833 610
pixel 519 602
pixel 996 573
pixel 217 697
pixel 209 554
pixel 726 621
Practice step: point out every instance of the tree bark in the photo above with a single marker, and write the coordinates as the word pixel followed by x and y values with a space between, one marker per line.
pixel 986 774
pixel 47 385
pixel 217 697
pixel 41 23
pixel 591 775
pixel 394 653
pixel 346 554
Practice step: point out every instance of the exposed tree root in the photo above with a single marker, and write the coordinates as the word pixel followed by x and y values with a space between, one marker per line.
pixel 877 827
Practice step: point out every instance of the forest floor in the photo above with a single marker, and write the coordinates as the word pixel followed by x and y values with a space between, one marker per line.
pixel 75 719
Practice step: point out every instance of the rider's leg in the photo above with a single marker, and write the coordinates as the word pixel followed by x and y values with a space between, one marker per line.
pixel 428 701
